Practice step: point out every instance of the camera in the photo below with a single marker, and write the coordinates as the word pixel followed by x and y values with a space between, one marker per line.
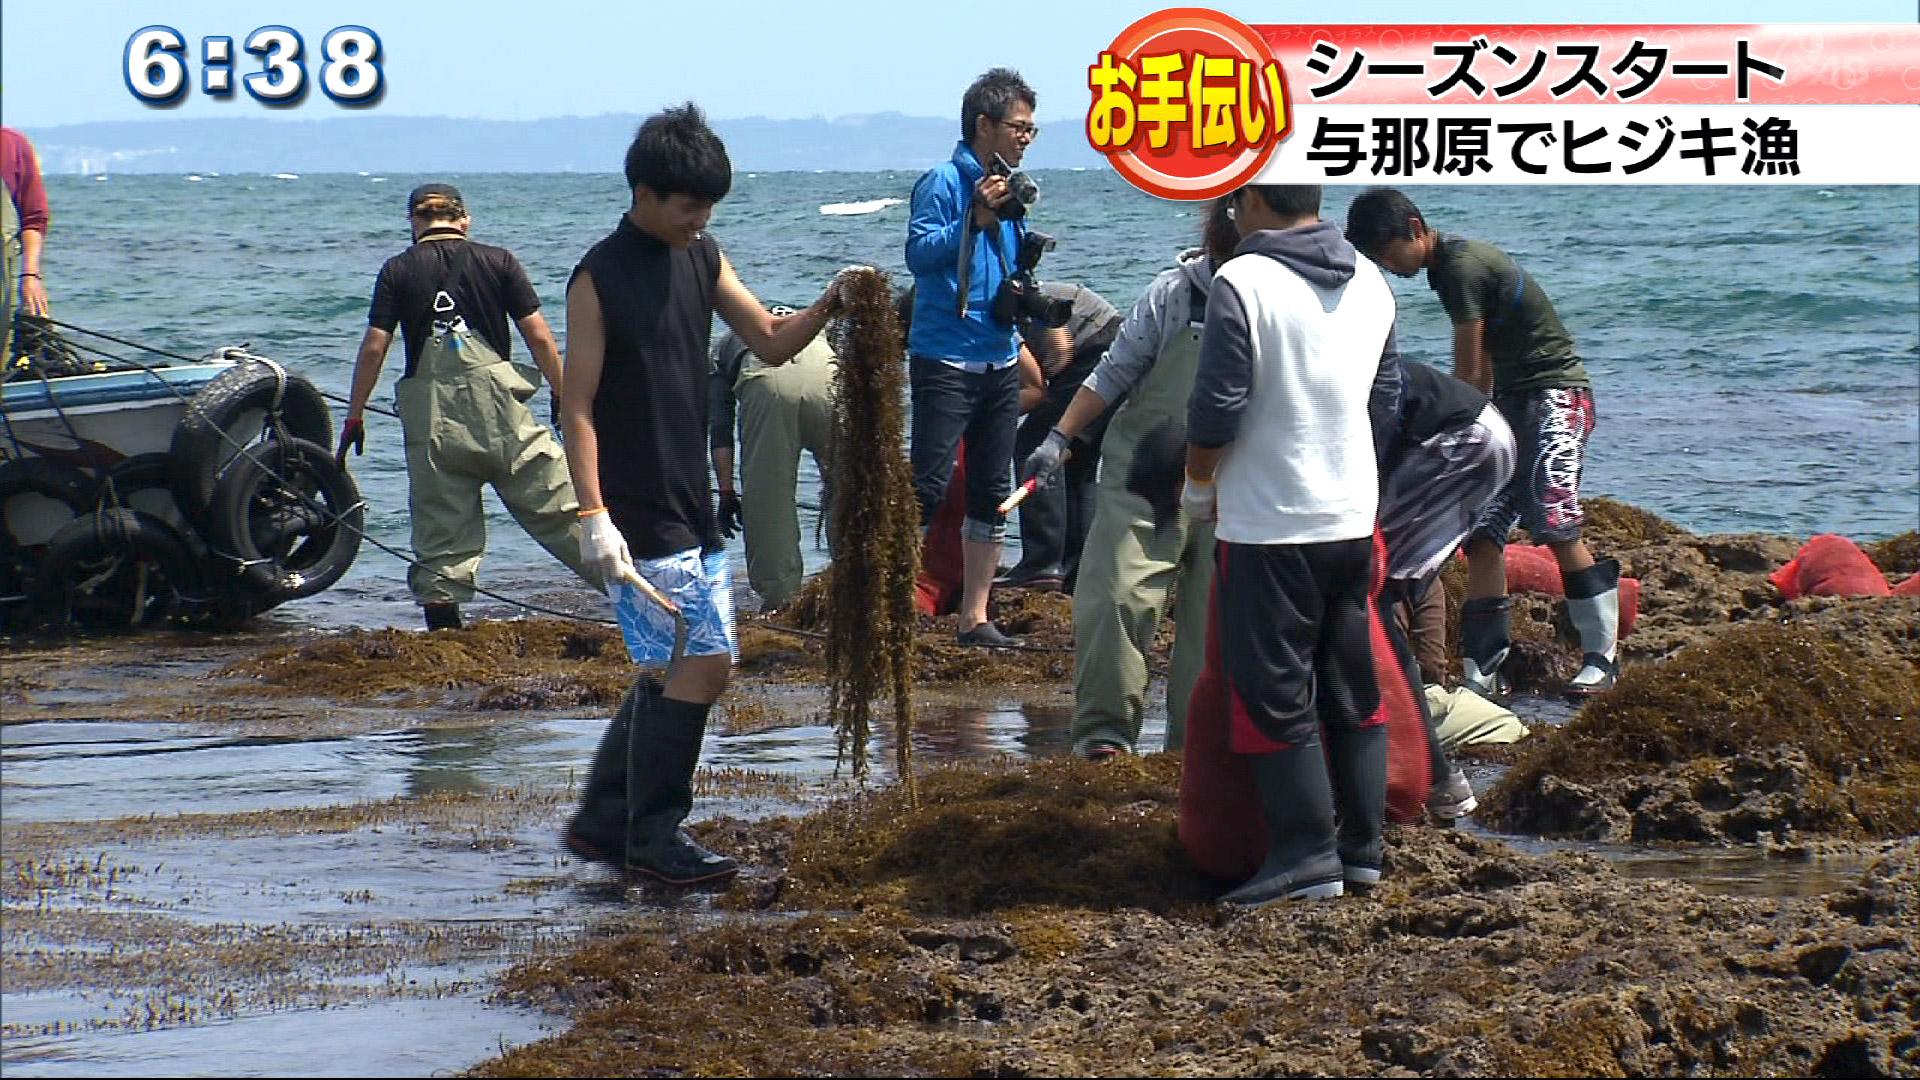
pixel 1019 296
pixel 1023 188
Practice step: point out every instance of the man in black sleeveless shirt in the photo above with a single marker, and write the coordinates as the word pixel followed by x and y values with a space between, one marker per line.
pixel 635 408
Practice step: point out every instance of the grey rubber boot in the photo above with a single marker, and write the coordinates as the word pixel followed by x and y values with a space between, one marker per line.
pixel 598 830
pixel 662 752
pixel 1593 603
pixel 1296 795
pixel 1486 636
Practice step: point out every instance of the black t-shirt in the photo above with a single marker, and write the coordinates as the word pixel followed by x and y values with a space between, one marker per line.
pixel 495 290
pixel 650 412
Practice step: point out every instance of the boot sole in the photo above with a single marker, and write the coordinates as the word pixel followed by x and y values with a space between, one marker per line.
pixel 585 850
pixel 1319 890
pixel 1363 877
pixel 642 875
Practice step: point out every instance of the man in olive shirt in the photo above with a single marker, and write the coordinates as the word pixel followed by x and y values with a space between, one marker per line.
pixel 1509 342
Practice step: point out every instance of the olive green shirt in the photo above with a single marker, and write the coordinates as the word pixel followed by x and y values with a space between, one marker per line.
pixel 1526 342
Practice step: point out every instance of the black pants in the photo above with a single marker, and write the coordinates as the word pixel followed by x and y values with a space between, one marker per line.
pixel 949 403
pixel 1295 637
pixel 1054 519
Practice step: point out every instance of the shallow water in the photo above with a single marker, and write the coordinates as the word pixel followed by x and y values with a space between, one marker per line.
pixel 446 901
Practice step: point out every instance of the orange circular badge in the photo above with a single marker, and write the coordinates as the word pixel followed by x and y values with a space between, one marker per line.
pixel 1187 104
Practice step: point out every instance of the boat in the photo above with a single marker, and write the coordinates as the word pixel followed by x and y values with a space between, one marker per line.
pixel 199 492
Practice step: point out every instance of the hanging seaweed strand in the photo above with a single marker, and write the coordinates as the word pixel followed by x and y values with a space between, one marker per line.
pixel 875 522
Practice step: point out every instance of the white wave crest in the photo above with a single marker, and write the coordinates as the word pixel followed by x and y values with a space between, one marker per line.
pixel 841 209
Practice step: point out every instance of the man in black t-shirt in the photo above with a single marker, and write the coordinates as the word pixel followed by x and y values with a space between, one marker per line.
pixel 462 403
pixel 640 312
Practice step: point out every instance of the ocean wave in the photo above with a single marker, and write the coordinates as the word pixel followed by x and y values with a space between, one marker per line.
pixel 867 207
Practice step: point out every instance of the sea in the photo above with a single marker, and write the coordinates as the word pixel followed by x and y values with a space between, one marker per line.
pixel 1755 351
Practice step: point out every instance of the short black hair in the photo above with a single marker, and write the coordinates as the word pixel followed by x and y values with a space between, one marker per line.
pixel 1378 215
pixel 675 152
pixel 1289 200
pixel 1219 235
pixel 991 95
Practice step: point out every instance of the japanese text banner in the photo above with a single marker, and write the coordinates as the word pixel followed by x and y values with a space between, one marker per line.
pixel 1793 64
pixel 1621 144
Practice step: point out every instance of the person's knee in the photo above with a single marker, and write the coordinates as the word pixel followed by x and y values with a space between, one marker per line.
pixel 701 678
pixel 973 530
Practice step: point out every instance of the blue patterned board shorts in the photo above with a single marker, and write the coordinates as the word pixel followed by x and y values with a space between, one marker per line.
pixel 701 585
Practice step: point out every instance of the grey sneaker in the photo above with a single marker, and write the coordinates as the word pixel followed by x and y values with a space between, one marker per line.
pixel 1452 800
pixel 989 636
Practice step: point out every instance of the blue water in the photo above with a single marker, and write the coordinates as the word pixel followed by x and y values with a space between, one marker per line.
pixel 1755 351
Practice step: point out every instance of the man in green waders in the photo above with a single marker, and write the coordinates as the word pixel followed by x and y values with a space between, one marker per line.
pixel 782 410
pixel 462 402
pixel 1129 573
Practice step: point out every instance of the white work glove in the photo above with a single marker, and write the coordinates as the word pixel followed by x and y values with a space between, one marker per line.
pixel 1198 500
pixel 604 550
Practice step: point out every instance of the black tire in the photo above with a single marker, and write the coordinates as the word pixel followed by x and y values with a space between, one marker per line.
pixel 236 410
pixel 20 555
pixel 286 520
pixel 115 569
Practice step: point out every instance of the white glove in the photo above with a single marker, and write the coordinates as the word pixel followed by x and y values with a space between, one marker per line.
pixel 1197 499
pixel 604 550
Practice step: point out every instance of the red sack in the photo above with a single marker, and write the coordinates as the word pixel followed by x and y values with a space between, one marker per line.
pixel 942 559
pixel 1221 824
pixel 1909 587
pixel 1830 565
pixel 1532 568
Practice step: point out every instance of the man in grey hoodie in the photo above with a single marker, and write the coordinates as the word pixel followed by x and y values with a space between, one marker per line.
pixel 1131 572
pixel 1280 454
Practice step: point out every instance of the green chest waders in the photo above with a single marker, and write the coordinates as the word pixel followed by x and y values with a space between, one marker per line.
pixel 463 409
pixel 1129 575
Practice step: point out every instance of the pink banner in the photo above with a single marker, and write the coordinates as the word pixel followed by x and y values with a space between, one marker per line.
pixel 1774 64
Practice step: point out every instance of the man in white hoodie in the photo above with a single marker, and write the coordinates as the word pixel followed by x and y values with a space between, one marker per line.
pixel 1130 571
pixel 1281 456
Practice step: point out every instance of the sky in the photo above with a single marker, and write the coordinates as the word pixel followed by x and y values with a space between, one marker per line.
pixel 61 62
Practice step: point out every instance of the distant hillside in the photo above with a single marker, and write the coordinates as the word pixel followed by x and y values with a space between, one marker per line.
pixel 373 143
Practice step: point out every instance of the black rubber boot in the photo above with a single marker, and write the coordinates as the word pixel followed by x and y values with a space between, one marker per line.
pixel 1296 796
pixel 442 615
pixel 662 751
pixel 598 829
pixel 1486 635
pixel 1359 767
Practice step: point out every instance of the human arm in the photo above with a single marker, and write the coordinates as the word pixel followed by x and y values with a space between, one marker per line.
pixel 585 359
pixel 940 213
pixel 602 547
pixel 541 343
pixel 366 375
pixel 1162 311
pixel 1033 384
pixel 774 339
pixel 33 289
pixel 1222 385
pixel 1056 350
pixel 1471 362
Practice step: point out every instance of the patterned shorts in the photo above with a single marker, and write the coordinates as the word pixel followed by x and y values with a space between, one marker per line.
pixel 1550 430
pixel 701 585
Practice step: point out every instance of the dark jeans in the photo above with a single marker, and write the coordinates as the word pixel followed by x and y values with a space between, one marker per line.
pixel 984 407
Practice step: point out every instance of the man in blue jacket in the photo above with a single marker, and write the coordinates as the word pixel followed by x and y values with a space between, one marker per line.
pixel 963 235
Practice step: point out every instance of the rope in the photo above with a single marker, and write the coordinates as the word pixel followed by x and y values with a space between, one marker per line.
pixel 187 359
